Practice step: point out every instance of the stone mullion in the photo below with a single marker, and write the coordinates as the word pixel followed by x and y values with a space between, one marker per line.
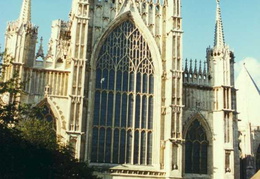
pixel 113 115
pixel 127 115
pixel 146 131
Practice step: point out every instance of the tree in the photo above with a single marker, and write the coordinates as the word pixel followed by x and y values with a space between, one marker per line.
pixel 29 147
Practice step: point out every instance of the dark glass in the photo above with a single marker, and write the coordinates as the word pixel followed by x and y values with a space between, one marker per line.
pixel 96 112
pixel 111 79
pixel 137 112
pixel 196 149
pixel 116 146
pixel 136 147
pixel 94 145
pixel 108 146
pixel 101 143
pixel 110 109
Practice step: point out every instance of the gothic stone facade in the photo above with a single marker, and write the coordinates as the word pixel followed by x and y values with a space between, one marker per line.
pixel 113 82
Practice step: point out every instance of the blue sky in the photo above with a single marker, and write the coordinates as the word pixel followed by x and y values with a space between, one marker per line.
pixel 241 21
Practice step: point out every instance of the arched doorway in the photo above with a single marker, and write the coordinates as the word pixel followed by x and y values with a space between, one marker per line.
pixel 196 149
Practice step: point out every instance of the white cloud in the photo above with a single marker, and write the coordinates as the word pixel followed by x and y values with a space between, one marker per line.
pixel 253 67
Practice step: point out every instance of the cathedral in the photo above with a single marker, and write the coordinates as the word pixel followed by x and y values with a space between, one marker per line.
pixel 116 86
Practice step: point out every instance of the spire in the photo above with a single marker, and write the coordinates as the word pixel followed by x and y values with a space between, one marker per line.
pixel 219 40
pixel 25 15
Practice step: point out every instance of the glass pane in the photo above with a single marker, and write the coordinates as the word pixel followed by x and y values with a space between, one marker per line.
pixel 124 110
pixel 117 110
pixel 101 145
pixel 136 147
pixel 132 81
pixel 129 146
pixel 94 145
pixel 143 148
pixel 150 114
pixel 144 112
pixel 145 83
pixel 122 146
pixel 111 79
pixel 96 110
pixel 116 146
pixel 108 146
pixel 118 80
pixel 110 109
pixel 130 110
pixel 104 79
pixel 98 78
pixel 125 81
pixel 151 84
pixel 138 82
pixel 149 148
pixel 137 112
pixel 103 109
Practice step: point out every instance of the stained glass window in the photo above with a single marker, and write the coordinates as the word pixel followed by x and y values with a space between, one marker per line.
pixel 123 106
pixel 196 149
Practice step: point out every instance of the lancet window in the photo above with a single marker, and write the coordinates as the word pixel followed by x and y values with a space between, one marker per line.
pixel 196 149
pixel 123 108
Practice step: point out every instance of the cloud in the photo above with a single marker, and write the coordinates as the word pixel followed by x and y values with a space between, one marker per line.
pixel 253 67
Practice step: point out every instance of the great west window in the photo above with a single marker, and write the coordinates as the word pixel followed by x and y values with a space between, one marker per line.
pixel 123 107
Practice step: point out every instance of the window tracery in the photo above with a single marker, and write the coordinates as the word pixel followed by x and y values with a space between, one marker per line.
pixel 123 107
pixel 196 149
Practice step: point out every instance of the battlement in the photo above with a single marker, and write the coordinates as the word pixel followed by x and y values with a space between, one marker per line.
pixel 195 72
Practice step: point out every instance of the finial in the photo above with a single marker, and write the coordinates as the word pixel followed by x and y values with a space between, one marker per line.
pixel 25 15
pixel 200 68
pixel 190 71
pixel 186 65
pixel 195 68
pixel 219 40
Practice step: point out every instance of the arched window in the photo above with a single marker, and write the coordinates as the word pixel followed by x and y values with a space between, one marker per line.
pixel 47 114
pixel 258 158
pixel 196 149
pixel 123 106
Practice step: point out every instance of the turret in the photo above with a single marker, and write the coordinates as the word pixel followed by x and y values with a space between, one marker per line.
pixel 221 75
pixel 23 34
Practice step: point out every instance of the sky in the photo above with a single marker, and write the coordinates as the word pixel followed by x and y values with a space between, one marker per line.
pixel 241 20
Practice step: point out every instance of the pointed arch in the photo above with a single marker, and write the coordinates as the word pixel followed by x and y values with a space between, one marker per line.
pixel 196 149
pixel 51 111
pixel 136 19
pixel 198 141
pixel 203 122
pixel 124 96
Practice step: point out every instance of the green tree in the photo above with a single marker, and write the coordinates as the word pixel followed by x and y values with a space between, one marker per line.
pixel 29 147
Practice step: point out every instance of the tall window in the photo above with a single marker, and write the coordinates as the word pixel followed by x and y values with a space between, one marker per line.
pixel 196 149
pixel 123 108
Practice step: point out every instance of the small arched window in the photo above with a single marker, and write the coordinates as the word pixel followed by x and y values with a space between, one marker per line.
pixel 196 149
pixel 47 114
